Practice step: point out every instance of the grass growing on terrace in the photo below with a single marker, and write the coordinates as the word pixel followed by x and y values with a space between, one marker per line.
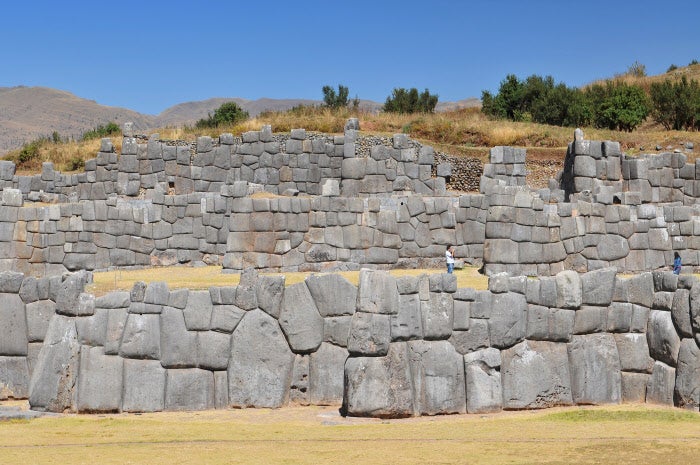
pixel 301 435
pixel 204 277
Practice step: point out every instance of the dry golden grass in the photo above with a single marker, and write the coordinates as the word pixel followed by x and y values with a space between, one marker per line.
pixel 302 435
pixel 179 277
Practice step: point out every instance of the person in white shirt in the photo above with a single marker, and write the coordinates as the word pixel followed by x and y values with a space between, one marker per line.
pixel 450 258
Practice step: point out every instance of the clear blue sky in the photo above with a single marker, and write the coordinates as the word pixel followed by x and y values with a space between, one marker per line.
pixel 149 55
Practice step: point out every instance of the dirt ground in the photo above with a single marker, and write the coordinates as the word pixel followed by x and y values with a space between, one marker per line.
pixel 300 435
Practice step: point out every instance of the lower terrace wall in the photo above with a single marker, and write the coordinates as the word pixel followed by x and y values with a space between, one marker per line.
pixel 390 347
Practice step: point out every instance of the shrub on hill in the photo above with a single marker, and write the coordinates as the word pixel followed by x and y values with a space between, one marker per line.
pixel 109 129
pixel 410 101
pixel 676 105
pixel 228 113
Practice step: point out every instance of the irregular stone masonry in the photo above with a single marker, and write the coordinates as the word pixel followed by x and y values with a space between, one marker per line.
pixel 390 347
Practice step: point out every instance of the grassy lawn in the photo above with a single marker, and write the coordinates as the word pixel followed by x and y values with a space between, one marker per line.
pixel 208 276
pixel 302 435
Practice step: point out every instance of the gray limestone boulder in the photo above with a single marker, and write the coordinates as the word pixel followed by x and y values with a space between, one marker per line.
pixel 326 372
pixel 14 378
pixel 664 342
pixel 595 369
pixel 590 319
pixel 661 383
pixel 638 289
pixel 680 311
pixel 225 318
pixel 370 334
pixel 213 349
pixel 687 382
pixel 300 319
pixel 144 386
pixel 92 330
pixel 246 291
pixel 99 381
pixel 508 322
pixel 269 293
pixel 437 316
pixel 116 320
pixel 438 378
pixel 53 380
pixel 568 289
pixel 474 338
pixel 407 323
pixel 598 287
pixel 13 325
pixel 198 312
pixel 379 386
pixel 336 330
pixel 535 375
pixel 299 386
pixel 333 294
pixel 178 346
pixel 634 387
pixel 141 338
pixel 260 366
pixel 189 389
pixel 695 310
pixel 69 292
pixel 612 247
pixel 634 352
pixel 39 314
pixel 483 381
pixel 377 293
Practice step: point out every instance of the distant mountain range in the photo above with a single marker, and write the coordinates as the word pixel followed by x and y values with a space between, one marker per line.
pixel 27 113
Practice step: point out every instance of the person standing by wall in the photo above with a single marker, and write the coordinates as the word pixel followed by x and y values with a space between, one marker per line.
pixel 676 263
pixel 450 258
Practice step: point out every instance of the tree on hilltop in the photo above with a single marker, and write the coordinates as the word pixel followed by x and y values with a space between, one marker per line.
pixel 410 101
pixel 331 99
pixel 227 114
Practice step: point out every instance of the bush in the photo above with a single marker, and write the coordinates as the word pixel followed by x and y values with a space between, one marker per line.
pixel 333 100
pixel 410 101
pixel 676 105
pixel 30 151
pixel 693 62
pixel 227 114
pixel 637 69
pixel 109 129
pixel 617 105
pixel 672 68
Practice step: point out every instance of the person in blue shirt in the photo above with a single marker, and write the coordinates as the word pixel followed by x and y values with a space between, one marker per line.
pixel 676 263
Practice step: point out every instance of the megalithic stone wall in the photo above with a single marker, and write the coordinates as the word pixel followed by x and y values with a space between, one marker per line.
pixel 299 162
pixel 390 347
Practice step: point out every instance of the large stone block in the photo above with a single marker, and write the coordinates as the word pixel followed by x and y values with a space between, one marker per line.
pixel 144 386
pixel 269 292
pixel 336 330
pixel 53 380
pixel 260 367
pixel 612 247
pixel 595 369
pixel 568 289
pixel 680 312
pixel 664 342
pixel 69 293
pixel 177 345
pixel 634 387
pixel 634 352
pixel 483 381
pixel 687 383
pixel 333 294
pixel 116 320
pixel 189 389
pixel 535 375
pixel 300 320
pixel 407 323
pixel 437 316
pixel 92 330
pixel 141 338
pixel 14 378
pixel 99 381
pixel 326 371
pixel 213 349
pixel 13 325
pixel 638 289
pixel 225 318
pixel 438 378
pixel 661 383
pixel 377 293
pixel 370 334
pixel 508 322
pixel 476 337
pixel 198 311
pixel 379 386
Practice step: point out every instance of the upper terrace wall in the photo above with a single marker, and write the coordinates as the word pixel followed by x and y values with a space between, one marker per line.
pixel 297 162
